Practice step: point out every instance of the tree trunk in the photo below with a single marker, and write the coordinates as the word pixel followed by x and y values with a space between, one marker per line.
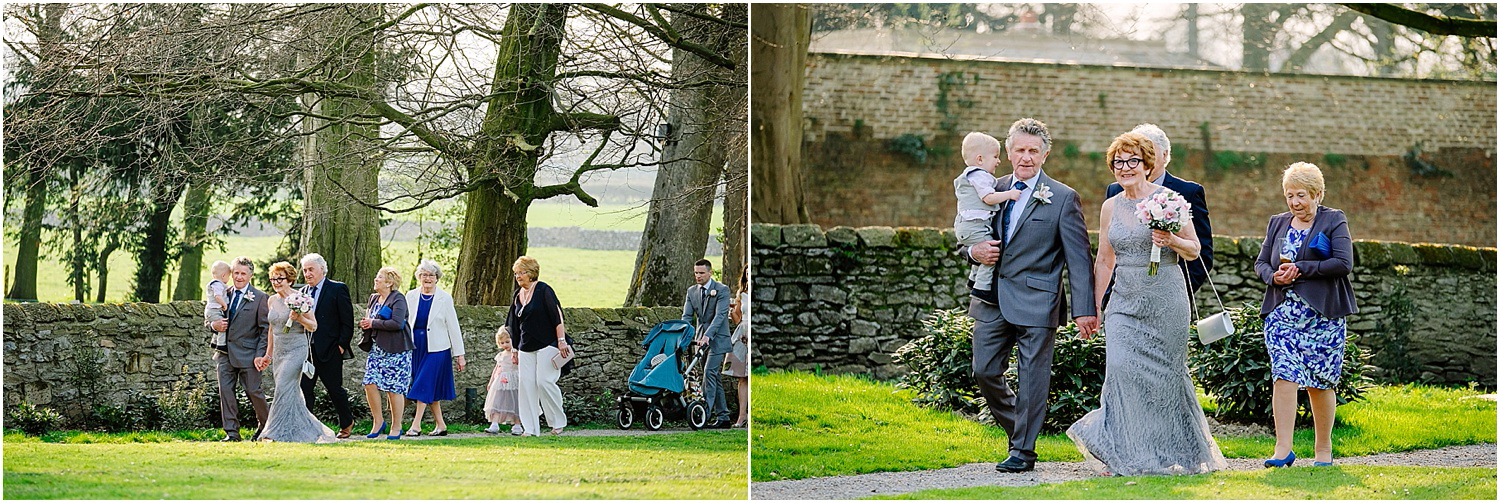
pixel 103 267
pixel 737 177
pixel 195 209
pixel 1259 34
pixel 518 120
pixel 1192 29
pixel 677 225
pixel 153 255
pixel 339 157
pixel 779 48
pixel 23 286
pixel 78 257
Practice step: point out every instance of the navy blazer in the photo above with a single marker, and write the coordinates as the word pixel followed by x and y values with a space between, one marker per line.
pixel 1323 283
pixel 1197 270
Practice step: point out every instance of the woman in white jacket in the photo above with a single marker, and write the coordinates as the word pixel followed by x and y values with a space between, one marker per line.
pixel 440 343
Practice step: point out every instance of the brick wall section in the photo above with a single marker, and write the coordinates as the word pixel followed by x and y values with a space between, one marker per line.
pixel 844 299
pixel 856 104
pixel 149 346
pixel 1090 104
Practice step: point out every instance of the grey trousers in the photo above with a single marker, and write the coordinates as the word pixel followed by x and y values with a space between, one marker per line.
pixel 229 408
pixel 713 388
pixel 1019 413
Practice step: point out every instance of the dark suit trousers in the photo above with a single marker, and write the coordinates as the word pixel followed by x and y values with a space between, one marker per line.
pixel 229 408
pixel 1019 412
pixel 331 372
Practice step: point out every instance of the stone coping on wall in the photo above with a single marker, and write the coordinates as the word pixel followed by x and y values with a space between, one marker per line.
pixel 1001 60
pixel 1367 253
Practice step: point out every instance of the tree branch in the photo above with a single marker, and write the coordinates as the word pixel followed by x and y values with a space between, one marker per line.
pixel 584 120
pixel 1436 25
pixel 657 31
pixel 1304 52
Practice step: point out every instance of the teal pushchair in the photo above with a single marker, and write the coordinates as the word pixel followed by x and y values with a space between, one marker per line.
pixel 662 386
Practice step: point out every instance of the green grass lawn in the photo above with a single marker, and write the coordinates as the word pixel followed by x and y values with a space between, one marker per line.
pixel 1323 483
pixel 812 426
pixel 582 278
pixel 699 465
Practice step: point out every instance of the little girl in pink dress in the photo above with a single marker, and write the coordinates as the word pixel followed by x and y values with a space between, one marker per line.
pixel 501 402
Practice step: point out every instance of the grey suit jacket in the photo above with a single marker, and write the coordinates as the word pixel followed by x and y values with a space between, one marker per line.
pixel 246 337
pixel 710 317
pixel 1028 276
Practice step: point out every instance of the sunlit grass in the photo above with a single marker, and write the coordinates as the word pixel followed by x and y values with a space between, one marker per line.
pixel 810 426
pixel 699 465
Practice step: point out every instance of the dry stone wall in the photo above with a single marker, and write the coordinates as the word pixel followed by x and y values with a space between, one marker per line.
pixel 842 300
pixel 147 347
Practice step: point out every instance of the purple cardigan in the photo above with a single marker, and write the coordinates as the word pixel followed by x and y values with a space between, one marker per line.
pixel 1324 283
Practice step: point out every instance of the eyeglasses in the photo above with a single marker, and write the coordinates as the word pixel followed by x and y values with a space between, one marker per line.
pixel 1124 164
pixel 278 279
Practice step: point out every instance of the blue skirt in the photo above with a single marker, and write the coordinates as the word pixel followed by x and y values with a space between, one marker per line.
pixel 432 373
pixel 388 372
pixel 1306 348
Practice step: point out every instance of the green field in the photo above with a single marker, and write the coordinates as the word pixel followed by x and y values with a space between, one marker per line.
pixel 698 465
pixel 582 278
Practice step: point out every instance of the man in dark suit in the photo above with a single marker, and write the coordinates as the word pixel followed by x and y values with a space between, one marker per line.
pixel 244 342
pixel 330 343
pixel 1197 270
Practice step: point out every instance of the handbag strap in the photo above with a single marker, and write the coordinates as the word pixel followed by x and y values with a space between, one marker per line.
pixel 1208 275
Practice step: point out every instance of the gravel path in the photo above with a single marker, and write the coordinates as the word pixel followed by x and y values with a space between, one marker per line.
pixel 609 432
pixel 984 474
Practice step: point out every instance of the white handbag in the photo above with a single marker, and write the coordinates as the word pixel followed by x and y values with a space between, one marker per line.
pixel 1218 325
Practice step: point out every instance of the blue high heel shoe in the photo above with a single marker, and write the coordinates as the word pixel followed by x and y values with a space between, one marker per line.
pixel 377 432
pixel 397 436
pixel 1322 463
pixel 1279 463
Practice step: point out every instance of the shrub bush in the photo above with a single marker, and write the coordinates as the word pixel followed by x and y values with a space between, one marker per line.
pixel 1236 370
pixel 31 419
pixel 186 404
pixel 940 364
pixel 598 409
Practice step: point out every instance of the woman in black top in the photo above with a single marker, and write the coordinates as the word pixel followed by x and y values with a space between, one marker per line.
pixel 536 328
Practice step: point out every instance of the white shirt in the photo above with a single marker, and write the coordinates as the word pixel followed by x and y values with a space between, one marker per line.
pixel 319 291
pixel 1019 206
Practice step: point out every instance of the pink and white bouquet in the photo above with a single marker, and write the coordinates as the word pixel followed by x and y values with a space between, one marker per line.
pixel 1165 210
pixel 299 302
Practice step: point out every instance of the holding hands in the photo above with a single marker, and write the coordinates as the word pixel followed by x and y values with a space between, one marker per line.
pixel 1087 326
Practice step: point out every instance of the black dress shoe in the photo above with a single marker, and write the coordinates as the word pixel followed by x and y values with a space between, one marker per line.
pixel 256 436
pixel 230 438
pixel 722 424
pixel 1014 465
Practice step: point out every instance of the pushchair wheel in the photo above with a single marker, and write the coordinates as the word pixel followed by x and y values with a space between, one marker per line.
pixel 625 416
pixel 654 418
pixel 697 414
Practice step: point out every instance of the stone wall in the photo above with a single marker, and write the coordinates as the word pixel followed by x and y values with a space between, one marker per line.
pixel 149 346
pixel 844 299
pixel 1356 129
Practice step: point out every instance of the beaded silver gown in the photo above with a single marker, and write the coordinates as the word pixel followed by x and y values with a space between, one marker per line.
pixel 289 420
pixel 1149 421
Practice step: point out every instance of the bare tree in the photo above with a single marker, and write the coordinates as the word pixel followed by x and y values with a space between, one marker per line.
pixel 485 100
pixel 704 134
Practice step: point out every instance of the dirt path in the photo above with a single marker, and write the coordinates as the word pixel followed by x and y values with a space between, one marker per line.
pixel 984 474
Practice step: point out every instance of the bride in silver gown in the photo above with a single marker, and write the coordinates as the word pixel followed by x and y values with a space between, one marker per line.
pixel 289 420
pixel 1149 421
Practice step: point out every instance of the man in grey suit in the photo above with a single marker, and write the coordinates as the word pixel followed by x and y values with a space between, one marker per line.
pixel 246 342
pixel 707 308
pixel 1036 236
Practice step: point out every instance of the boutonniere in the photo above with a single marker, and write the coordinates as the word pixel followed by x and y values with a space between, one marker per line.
pixel 1042 193
pixel 249 296
pixel 712 292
